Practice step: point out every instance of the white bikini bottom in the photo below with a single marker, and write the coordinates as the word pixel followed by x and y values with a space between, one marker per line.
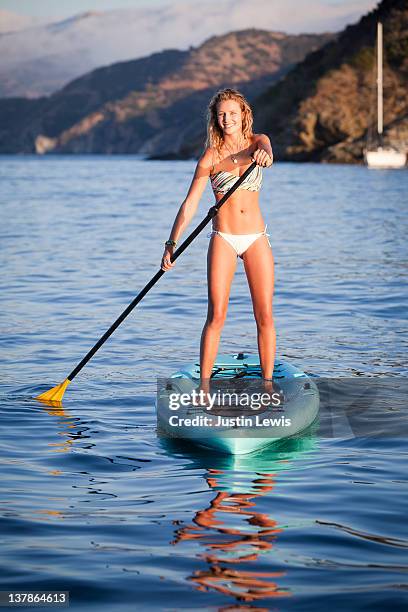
pixel 239 242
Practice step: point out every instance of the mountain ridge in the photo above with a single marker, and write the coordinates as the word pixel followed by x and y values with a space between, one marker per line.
pixel 313 95
pixel 41 60
pixel 136 106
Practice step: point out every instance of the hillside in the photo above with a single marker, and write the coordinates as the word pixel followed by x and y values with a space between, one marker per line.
pixel 153 105
pixel 40 56
pixel 323 109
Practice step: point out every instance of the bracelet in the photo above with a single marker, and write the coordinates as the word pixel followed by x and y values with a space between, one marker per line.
pixel 171 243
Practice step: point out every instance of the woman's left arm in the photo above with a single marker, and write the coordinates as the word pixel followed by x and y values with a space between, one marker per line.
pixel 263 154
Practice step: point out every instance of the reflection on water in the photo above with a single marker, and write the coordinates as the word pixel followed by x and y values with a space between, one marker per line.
pixel 231 530
pixel 68 429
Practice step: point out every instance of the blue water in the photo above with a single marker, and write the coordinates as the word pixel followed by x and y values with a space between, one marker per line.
pixel 92 502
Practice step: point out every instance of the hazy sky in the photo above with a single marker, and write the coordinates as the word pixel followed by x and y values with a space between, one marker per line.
pixel 66 8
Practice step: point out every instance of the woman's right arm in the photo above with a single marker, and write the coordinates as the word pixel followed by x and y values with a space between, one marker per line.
pixel 188 208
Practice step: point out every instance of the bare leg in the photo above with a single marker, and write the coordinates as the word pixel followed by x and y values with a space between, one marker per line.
pixel 221 264
pixel 259 268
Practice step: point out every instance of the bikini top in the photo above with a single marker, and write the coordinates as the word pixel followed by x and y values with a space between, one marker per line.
pixel 222 181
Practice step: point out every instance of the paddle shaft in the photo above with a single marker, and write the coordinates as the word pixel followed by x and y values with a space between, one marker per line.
pixel 210 215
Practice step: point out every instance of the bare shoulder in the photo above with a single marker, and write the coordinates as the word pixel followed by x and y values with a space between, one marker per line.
pixel 261 138
pixel 206 158
pixel 204 164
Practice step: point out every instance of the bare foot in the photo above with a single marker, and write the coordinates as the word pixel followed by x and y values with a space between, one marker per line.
pixel 273 389
pixel 202 394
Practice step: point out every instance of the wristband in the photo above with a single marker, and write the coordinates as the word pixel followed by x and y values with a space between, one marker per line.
pixel 171 243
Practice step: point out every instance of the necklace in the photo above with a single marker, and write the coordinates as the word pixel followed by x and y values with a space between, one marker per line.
pixel 234 155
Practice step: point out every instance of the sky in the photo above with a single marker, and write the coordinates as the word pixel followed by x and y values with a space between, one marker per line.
pixel 67 8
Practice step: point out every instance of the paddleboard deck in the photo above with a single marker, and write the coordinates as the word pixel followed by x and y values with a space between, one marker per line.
pixel 238 426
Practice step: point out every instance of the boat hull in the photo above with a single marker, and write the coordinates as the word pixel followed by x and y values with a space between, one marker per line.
pixel 385 158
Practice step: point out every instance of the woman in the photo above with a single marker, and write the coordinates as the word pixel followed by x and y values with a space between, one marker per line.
pixel 238 228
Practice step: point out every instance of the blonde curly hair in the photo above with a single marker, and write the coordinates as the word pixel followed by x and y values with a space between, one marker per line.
pixel 214 132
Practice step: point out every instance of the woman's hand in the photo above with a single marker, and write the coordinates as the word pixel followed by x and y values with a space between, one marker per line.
pixel 262 158
pixel 166 264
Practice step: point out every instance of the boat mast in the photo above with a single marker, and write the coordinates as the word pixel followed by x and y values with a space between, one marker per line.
pixel 379 79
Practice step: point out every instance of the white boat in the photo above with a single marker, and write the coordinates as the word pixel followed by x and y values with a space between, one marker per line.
pixel 385 158
pixel 381 156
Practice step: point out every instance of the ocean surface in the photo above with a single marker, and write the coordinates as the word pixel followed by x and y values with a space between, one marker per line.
pixel 92 501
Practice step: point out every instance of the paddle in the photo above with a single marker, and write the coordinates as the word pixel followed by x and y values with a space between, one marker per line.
pixel 55 394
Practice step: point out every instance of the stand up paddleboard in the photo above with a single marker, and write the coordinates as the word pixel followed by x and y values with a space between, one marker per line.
pixel 236 421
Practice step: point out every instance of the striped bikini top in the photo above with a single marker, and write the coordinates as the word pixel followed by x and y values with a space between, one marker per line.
pixel 222 181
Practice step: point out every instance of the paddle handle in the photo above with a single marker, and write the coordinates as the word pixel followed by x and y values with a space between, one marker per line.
pixel 210 215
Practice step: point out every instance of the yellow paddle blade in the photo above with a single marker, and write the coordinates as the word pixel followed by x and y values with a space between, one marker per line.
pixel 55 394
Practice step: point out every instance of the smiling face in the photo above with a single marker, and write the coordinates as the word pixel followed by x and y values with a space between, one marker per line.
pixel 229 120
pixel 229 116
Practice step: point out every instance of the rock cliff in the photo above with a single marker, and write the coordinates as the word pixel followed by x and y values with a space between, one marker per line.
pixel 325 108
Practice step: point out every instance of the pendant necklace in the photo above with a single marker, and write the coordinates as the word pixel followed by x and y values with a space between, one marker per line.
pixel 233 155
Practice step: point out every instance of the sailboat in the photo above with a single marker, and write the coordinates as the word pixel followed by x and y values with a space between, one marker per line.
pixel 382 157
